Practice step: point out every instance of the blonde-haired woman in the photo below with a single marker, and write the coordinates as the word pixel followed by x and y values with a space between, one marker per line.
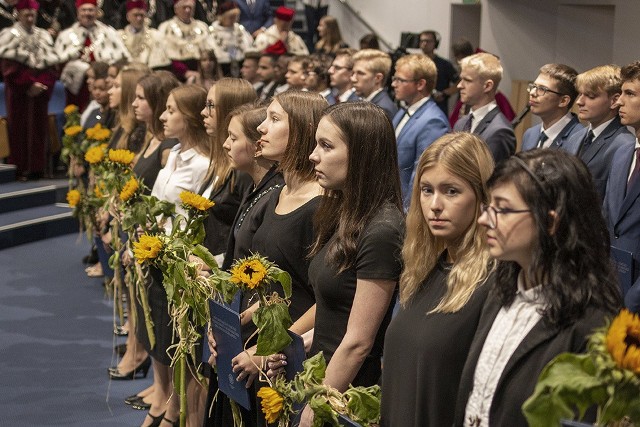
pixel 442 287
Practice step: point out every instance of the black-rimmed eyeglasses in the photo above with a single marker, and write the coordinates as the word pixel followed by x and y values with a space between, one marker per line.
pixel 541 90
pixel 492 213
pixel 399 80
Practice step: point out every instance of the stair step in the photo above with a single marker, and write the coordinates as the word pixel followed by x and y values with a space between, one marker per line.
pixel 7 172
pixel 24 195
pixel 29 225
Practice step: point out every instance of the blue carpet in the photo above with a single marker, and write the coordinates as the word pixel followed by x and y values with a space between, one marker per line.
pixel 56 341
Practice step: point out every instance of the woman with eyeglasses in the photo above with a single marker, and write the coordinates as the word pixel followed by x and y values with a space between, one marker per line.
pixel 442 287
pixel 554 282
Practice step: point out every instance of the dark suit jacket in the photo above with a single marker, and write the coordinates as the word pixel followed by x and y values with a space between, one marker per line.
pixel 622 213
pixel 384 101
pixel 496 131
pixel 253 18
pixel 600 153
pixel 521 373
pixel 531 135
pixel 426 125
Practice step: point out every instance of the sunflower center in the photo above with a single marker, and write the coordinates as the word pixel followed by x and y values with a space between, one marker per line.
pixel 249 271
pixel 632 337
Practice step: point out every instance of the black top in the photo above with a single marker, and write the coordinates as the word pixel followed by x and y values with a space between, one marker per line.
pixel 106 119
pixel 135 140
pixel 250 216
pixel 424 354
pixel 227 200
pixel 285 240
pixel 447 74
pixel 147 168
pixel 378 258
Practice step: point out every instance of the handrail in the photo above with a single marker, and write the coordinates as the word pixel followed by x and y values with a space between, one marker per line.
pixel 358 15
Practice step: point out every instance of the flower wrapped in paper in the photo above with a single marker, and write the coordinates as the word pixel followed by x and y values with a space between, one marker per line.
pixel 607 376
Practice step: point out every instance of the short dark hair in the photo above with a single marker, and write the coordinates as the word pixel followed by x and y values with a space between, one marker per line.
pixel 630 72
pixel 566 78
pixel 571 257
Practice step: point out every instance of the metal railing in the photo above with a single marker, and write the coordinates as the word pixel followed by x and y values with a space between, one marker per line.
pixel 358 15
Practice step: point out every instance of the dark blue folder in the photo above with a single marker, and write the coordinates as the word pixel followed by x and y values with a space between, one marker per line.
pixel 346 422
pixel 623 261
pixel 225 324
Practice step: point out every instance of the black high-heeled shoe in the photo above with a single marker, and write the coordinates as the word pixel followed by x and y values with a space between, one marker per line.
pixel 140 404
pixel 142 368
pixel 156 420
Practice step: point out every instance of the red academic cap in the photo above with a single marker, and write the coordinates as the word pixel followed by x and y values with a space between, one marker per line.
pixel 227 6
pixel 136 4
pixel 27 4
pixel 278 48
pixel 83 2
pixel 284 13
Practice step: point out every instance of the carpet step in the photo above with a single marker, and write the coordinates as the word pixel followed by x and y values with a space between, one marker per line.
pixel 7 172
pixel 32 224
pixel 23 195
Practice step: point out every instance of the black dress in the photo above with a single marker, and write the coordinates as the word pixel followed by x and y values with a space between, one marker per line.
pixel 286 240
pixel 378 258
pixel 147 168
pixel 227 199
pixel 424 355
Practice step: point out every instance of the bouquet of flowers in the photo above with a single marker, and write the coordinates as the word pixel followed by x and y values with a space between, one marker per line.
pixel 360 404
pixel 607 376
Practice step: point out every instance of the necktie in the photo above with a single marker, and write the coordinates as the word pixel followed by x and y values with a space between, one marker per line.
pixel 467 126
pixel 542 139
pixel 588 140
pixel 633 179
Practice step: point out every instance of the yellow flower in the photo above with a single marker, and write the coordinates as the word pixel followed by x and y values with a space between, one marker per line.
pixel 73 130
pixel 94 155
pixel 250 273
pixel 98 133
pixel 623 341
pixel 73 198
pixel 147 248
pixel 129 189
pixel 69 109
pixel 121 156
pixel 272 403
pixel 195 201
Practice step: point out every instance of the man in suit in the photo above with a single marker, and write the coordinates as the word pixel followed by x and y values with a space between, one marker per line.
pixel 421 122
pixel 318 76
pixel 551 96
pixel 479 79
pixel 598 93
pixel 622 198
pixel 255 15
pixel 340 76
pixel 370 70
pixel 267 75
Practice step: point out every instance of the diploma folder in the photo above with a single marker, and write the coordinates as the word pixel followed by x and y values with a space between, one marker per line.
pixel 623 261
pixel 226 331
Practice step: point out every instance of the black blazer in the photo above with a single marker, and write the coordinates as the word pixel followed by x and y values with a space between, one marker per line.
pixel 518 380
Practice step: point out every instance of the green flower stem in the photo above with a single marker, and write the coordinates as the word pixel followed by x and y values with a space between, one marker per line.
pixel 144 301
pixel 183 387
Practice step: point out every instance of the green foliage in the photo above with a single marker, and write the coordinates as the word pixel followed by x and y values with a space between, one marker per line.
pixel 272 321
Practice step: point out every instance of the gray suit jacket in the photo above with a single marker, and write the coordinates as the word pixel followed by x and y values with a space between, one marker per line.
pixel 384 101
pixel 496 131
pixel 599 155
pixel 531 135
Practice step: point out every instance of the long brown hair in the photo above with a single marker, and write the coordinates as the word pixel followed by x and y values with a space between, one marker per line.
pixel 370 141
pixel 304 110
pixel 332 39
pixel 230 93
pixel 467 157
pixel 129 77
pixel 156 88
pixel 189 101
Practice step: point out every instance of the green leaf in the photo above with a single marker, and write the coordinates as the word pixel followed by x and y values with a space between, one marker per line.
pixel 313 370
pixel 206 256
pixel 285 280
pixel 363 403
pixel 272 321
pixel 322 411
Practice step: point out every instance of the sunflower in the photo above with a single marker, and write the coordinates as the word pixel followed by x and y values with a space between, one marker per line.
pixel 99 189
pixel 73 130
pixel 70 109
pixel 121 156
pixel 147 248
pixel 623 341
pixel 272 403
pixel 248 272
pixel 129 189
pixel 73 198
pixel 94 155
pixel 195 201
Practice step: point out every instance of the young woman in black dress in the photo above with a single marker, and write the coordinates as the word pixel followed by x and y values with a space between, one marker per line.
pixel 442 286
pixel 355 262
pixel 286 231
pixel 554 282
